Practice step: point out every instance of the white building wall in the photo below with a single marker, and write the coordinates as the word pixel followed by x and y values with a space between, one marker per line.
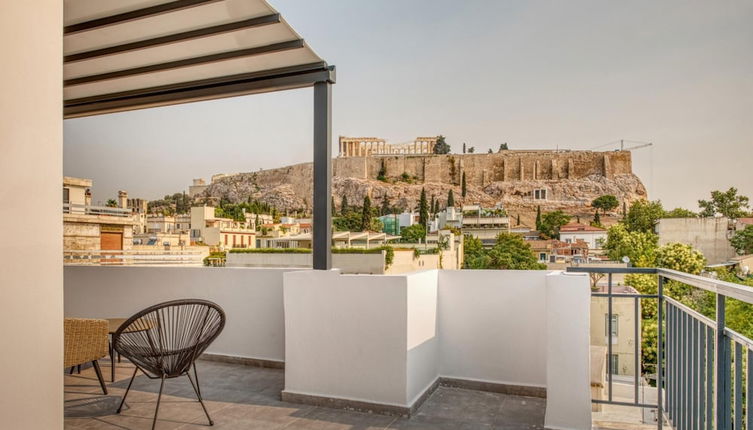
pixel 594 240
pixel 31 166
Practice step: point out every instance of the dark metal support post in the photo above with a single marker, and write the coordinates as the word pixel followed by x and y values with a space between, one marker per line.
pixel 659 355
pixel 721 375
pixel 322 225
pixel 610 371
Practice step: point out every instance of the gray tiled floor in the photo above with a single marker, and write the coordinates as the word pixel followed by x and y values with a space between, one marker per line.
pixel 241 397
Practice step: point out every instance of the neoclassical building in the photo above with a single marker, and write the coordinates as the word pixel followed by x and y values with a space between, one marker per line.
pixel 366 146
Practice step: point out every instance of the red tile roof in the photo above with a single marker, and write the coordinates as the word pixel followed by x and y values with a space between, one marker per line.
pixel 575 227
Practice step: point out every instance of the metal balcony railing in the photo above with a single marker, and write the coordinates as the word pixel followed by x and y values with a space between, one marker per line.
pixel 72 208
pixel 702 375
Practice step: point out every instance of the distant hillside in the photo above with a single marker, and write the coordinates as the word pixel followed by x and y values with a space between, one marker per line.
pixel 572 179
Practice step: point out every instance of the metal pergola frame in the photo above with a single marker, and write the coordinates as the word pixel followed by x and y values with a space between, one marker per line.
pixel 318 75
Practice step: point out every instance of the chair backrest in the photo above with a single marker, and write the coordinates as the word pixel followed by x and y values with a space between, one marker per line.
pixel 165 339
pixel 85 340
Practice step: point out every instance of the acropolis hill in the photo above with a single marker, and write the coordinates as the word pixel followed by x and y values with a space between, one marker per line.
pixel 572 180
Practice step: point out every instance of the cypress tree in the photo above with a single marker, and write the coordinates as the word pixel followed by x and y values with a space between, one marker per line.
pixel 344 206
pixel 366 214
pixel 463 147
pixel 450 199
pixel 423 209
pixel 385 205
pixel 517 222
pixel 431 206
pixel 538 218
pixel 334 211
pixel 597 218
pixel 463 187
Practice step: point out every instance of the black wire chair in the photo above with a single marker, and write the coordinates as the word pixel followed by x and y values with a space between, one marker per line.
pixel 164 341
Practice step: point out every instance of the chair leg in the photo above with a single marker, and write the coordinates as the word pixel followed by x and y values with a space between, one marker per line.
pixel 122 401
pixel 112 363
pixel 197 390
pixel 159 397
pixel 95 363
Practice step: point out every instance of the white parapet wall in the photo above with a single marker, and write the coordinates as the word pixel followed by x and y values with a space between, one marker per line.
pixel 493 326
pixel 251 298
pixel 386 340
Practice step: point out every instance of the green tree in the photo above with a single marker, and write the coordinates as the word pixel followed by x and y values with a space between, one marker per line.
pixel 490 151
pixel 332 208
pixel 680 213
pixel 385 205
pixel 366 214
pixel 503 147
pixel 675 256
pixel 464 148
pixel 742 241
pixel 643 215
pixel 471 150
pixel 111 203
pixel 606 203
pixel 597 219
pixel 551 223
pixel 344 206
pixel 423 209
pixel 381 175
pixel 639 246
pixel 441 147
pixel 725 203
pixel 517 221
pixel 463 186
pixel 413 233
pixel 474 255
pixel 510 252
pixel 450 199
pixel 431 205
pixel 538 218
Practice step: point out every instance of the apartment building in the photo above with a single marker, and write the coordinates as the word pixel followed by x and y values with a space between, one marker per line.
pixel 88 227
pixel 222 232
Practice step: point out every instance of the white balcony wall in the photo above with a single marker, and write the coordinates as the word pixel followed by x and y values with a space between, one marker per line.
pixel 345 336
pixel 493 326
pixel 251 298
pixel 31 170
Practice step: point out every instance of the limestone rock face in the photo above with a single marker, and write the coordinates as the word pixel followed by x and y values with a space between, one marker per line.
pixel 489 182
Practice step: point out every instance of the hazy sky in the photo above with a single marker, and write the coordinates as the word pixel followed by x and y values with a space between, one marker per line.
pixel 535 74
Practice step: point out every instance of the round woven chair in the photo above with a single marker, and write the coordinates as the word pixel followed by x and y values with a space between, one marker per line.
pixel 164 341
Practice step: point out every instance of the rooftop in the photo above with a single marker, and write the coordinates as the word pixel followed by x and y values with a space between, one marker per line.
pixel 570 228
pixel 247 397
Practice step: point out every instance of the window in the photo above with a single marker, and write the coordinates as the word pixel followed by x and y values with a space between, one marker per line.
pixel 225 239
pixel 66 195
pixel 539 194
pixel 542 256
pixel 568 241
pixel 615 325
pixel 614 362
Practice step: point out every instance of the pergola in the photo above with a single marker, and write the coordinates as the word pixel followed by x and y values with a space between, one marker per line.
pixel 123 55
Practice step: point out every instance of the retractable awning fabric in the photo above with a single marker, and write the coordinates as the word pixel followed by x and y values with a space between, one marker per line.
pixel 131 54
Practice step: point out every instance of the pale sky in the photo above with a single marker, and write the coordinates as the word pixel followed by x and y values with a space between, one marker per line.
pixel 535 74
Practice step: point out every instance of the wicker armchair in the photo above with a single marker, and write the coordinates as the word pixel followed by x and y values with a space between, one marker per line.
pixel 85 341
pixel 164 340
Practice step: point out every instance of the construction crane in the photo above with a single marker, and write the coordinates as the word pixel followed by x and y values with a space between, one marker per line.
pixel 621 142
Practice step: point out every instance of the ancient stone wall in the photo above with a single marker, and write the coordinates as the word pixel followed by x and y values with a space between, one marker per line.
pixel 482 169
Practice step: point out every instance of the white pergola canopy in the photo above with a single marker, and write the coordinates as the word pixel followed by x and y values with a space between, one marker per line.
pixel 128 54
pixel 132 54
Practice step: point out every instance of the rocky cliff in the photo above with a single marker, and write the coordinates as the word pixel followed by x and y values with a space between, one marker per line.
pixel 571 179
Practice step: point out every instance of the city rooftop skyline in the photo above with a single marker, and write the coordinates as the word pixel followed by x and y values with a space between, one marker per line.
pixel 534 74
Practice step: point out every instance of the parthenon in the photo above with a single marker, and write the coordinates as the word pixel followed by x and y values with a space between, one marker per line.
pixel 368 146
